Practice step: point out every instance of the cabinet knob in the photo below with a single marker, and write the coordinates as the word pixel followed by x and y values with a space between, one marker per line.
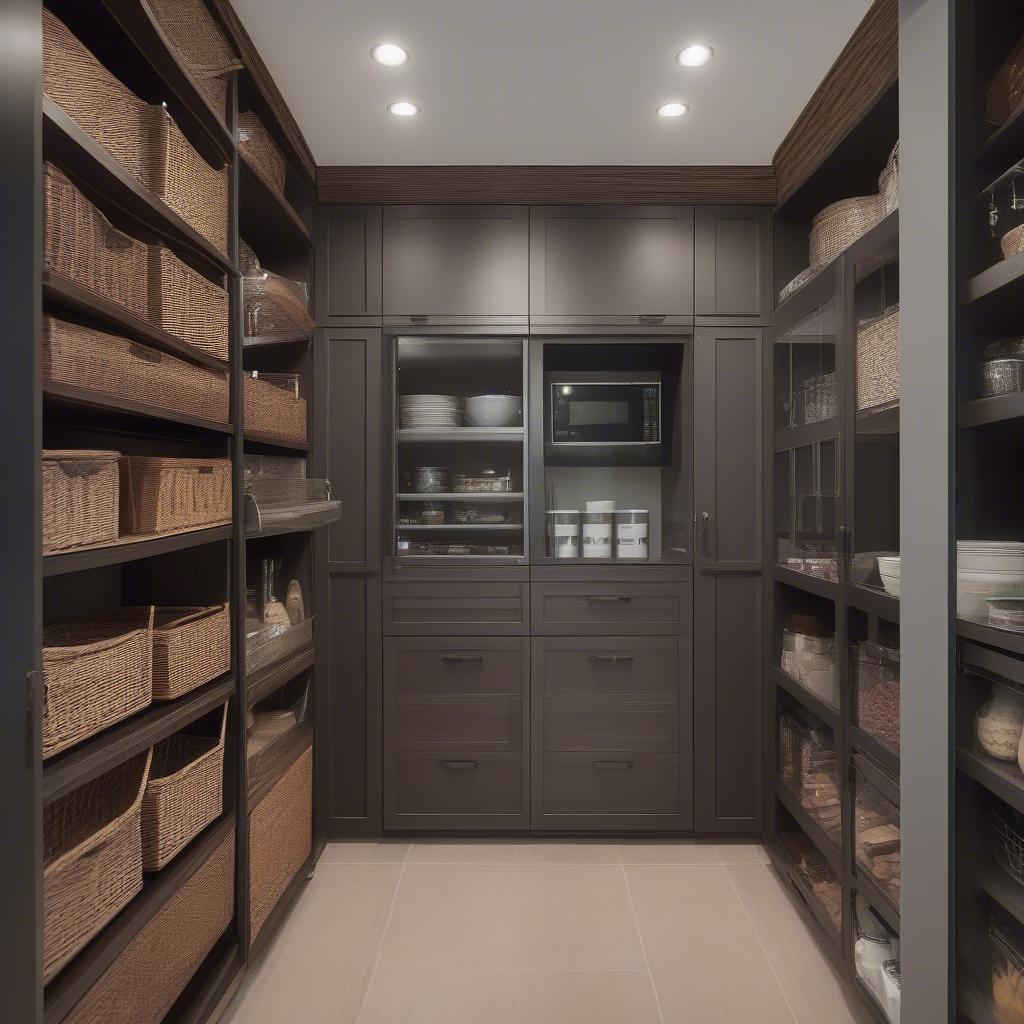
pixel 613 764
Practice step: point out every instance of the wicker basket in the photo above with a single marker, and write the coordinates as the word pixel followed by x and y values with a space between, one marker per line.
pixel 273 405
pixel 1012 243
pixel 889 182
pixel 261 152
pixel 144 982
pixel 280 839
pixel 80 499
pixel 92 858
pixel 95 673
pixel 162 495
pixel 272 304
pixel 81 244
pixel 878 360
pixel 80 357
pixel 186 304
pixel 1006 88
pixel 201 46
pixel 184 793
pixel 838 226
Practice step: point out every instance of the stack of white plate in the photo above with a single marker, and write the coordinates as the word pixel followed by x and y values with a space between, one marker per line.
pixel 430 412
pixel 984 569
pixel 889 570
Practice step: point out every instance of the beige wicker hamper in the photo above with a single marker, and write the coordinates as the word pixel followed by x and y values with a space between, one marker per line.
pixel 80 499
pixel 838 226
pixel 261 152
pixel 878 360
pixel 186 304
pixel 163 495
pixel 273 406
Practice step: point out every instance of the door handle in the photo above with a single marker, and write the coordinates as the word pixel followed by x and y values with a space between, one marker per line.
pixel 652 318
pixel 459 765
pixel 609 598
pixel 613 764
pixel 611 659
pixel 705 534
pixel 462 659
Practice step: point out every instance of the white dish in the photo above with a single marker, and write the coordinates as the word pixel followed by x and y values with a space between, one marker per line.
pixel 494 410
pixel 889 565
pixel 891 585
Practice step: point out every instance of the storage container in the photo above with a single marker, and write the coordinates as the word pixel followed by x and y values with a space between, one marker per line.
pixel 877 670
pixel 1001 377
pixel 144 982
pixel 80 498
pixel 1005 91
pixel 261 152
pixel 838 226
pixel 1012 242
pixel 280 839
pixel 95 673
pixel 1008 840
pixel 273 305
pixel 162 495
pixel 81 245
pixel 563 533
pixel 274 405
pixel 108 365
pixel 92 858
pixel 273 643
pixel 876 828
pixel 597 534
pixel 186 304
pixel 184 793
pixel 878 360
pixel 631 532
pixel 817 874
pixel 809 768
pixel 275 736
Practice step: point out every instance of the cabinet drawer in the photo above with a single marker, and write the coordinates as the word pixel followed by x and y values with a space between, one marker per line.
pixel 610 724
pixel 454 665
pixel 607 782
pixel 581 607
pixel 608 665
pixel 457 608
pixel 480 723
pixel 459 783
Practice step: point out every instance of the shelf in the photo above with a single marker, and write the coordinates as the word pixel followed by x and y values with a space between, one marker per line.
pixel 461 434
pixel 271 441
pixel 1001 778
pixel 472 498
pixel 1005 891
pixel 1004 146
pixel 272 341
pixel 1004 639
pixel 267 221
pixel 974 1006
pixel 114 746
pixel 264 682
pixel 825 712
pixel 995 295
pixel 89 163
pixel 884 420
pixel 58 290
pixel 784 865
pixel 85 970
pixel 805 581
pixel 887 758
pixel 874 601
pixel 130 549
pixel 297 741
pixel 811 433
pixel 476 527
pixel 982 411
pixel 872 895
pixel 810 827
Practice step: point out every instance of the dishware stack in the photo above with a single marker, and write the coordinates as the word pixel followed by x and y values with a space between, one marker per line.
pixel 889 570
pixel 809 656
pixel 990 579
pixel 494 411
pixel 430 412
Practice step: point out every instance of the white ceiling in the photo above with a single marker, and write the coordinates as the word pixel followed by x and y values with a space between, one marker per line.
pixel 548 81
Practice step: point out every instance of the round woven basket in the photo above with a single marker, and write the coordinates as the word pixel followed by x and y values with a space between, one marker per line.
pixel 1012 242
pixel 838 226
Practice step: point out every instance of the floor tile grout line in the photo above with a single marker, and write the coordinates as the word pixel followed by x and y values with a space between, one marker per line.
pixel 643 945
pixel 760 942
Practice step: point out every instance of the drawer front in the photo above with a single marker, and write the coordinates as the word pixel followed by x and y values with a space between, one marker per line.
pixel 624 784
pixel 479 723
pixel 446 785
pixel 581 607
pixel 609 666
pixel 457 608
pixel 609 724
pixel 456 665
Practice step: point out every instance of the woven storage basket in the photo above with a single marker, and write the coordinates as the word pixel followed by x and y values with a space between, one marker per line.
pixel 95 672
pixel 143 983
pixel 81 244
pixel 878 360
pixel 1006 88
pixel 280 839
pixel 889 182
pixel 161 495
pixel 261 152
pixel 186 304
pixel 838 226
pixel 272 304
pixel 81 357
pixel 80 499
pixel 92 858
pixel 273 406
pixel 184 793
pixel 1012 242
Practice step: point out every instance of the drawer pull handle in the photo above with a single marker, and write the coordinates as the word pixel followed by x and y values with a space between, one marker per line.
pixel 611 659
pixel 418 318
pixel 462 659
pixel 652 318
pixel 613 764
pixel 610 598
pixel 459 764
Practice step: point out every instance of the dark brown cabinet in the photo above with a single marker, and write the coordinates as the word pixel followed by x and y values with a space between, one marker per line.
pixel 348 265
pixel 436 608
pixel 610 607
pixel 732 265
pixel 611 265
pixel 456 265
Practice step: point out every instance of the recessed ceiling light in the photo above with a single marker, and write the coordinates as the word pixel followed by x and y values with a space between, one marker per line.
pixel 389 54
pixel 694 55
pixel 403 108
pixel 672 109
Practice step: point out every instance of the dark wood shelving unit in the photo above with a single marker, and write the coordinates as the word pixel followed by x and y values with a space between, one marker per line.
pixel 826 846
pixel 274 441
pixel 1003 639
pixel 879 421
pixel 1003 779
pixel 273 341
pixel 1003 146
pixel 264 682
pixel 827 714
pixel 278 914
pixel 873 600
pixel 1005 891
pixel 975 1007
pixel 979 412
pixel 267 220
pixel 994 296
pixel 888 759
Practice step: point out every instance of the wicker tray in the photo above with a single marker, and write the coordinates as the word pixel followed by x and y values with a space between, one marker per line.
pixel 80 498
pixel 95 673
pixel 273 405
pixel 878 360
pixel 186 304
pixel 82 245
pixel 261 152
pixel 108 365
pixel 184 793
pixel 143 983
pixel 1005 91
pixel 280 839
pixel 92 859
pixel 161 495
pixel 838 226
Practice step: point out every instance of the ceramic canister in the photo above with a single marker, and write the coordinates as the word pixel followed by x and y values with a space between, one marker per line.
pixel 597 534
pixel 631 531
pixel 563 531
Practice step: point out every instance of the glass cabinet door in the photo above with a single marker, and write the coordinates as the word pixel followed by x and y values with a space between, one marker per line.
pixel 807 508
pixel 806 383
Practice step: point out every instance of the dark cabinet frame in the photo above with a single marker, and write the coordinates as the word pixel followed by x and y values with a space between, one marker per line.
pixel 712 259
pixel 357 257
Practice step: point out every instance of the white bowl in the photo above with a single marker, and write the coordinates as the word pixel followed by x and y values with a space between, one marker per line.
pixel 494 411
pixel 990 561
pixel 889 565
pixel 891 585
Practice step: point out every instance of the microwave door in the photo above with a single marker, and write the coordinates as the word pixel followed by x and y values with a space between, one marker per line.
pixel 597 414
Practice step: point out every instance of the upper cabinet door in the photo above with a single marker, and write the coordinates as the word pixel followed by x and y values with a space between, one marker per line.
pixel 611 264
pixel 456 265
pixel 348 255
pixel 733 266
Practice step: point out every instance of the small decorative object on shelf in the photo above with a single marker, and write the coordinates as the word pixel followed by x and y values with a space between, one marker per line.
pixel 294 604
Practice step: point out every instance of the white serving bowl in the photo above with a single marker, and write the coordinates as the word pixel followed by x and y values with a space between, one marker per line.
pixel 891 585
pixel 981 555
pixel 889 565
pixel 494 411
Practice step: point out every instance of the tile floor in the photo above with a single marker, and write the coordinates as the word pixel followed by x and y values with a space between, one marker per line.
pixel 542 933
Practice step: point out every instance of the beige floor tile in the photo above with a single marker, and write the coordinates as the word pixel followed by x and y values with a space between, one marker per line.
pixel 814 992
pixel 526 852
pixel 359 851
pixel 743 853
pixel 689 852
pixel 319 963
